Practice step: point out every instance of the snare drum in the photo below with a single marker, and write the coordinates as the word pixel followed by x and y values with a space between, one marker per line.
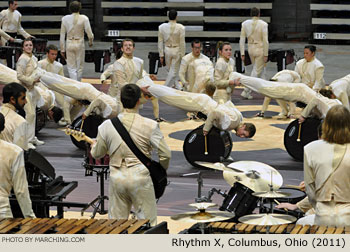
pixel 239 200
pixel 90 162
pixel 40 119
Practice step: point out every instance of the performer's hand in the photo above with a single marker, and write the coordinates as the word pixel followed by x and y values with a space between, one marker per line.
pixel 104 82
pixel 83 116
pixel 289 206
pixel 153 77
pixel 237 81
pixel 205 132
pixel 301 119
pixel 11 39
pixel 32 37
pixel 302 186
pixel 145 91
pixel 161 60
pixel 266 59
pixel 242 57
pixel 63 54
pixel 91 43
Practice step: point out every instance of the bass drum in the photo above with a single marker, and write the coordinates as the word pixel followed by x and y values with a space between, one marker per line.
pixel 40 120
pixel 308 133
pixel 90 128
pixel 219 146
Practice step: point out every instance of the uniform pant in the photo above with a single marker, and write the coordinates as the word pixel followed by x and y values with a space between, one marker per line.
pixel 5 209
pixel 257 58
pixel 33 97
pixel 131 186
pixel 75 53
pixel 172 61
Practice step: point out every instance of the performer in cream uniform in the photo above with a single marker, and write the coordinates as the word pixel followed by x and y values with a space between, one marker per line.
pixel 341 89
pixel 287 76
pixel 113 89
pixel 130 181
pixel 187 68
pixel 327 170
pixel 171 47
pixel 129 69
pixel 13 176
pixel 204 74
pixel 223 68
pixel 10 23
pixel 256 32
pixel 74 26
pixel 311 69
pixel 16 127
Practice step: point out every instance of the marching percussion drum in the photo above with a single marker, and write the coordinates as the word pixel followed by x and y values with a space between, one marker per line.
pixel 239 200
pixel 90 128
pixel 307 133
pixel 99 58
pixel 40 119
pixel 117 48
pixel 218 142
pixel 39 46
pixel 154 62
pixel 90 162
pixel 209 49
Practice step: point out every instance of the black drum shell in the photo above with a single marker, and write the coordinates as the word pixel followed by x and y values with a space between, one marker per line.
pixel 308 133
pixel 219 146
pixel 40 119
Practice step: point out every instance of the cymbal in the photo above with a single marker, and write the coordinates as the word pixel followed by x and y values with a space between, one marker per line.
pixel 271 194
pixel 216 166
pixel 267 219
pixel 203 216
pixel 255 175
pixel 202 205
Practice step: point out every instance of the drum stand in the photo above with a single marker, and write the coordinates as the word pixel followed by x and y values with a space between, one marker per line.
pixel 98 204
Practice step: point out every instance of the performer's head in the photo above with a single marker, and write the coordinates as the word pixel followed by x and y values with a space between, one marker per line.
pixel 75 6
pixel 15 94
pixel 128 47
pixel 246 130
pixel 196 46
pixel 2 122
pixel 309 52
pixel 336 126
pixel 210 89
pixel 51 52
pixel 27 45
pixel 172 14
pixel 130 96
pixel 225 49
pixel 327 93
pixel 55 113
pixel 13 5
pixel 255 12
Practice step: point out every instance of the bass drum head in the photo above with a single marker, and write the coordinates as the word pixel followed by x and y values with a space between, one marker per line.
pixel 40 120
pixel 219 145
pixel 308 133
pixel 90 128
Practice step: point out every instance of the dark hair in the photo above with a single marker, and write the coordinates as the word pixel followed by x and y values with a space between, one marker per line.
pixel 210 89
pixel 75 6
pixel 172 14
pixel 27 39
pixel 2 122
pixel 129 95
pixel 57 114
pixel 12 90
pixel 254 12
pixel 11 2
pixel 221 44
pixel 129 39
pixel 312 48
pixel 336 125
pixel 84 102
pixel 326 92
pixel 51 47
pixel 250 128
pixel 196 41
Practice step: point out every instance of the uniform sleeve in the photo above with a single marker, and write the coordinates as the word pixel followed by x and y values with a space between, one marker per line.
pixel 99 148
pixel 61 72
pixel 158 143
pixel 182 42
pixel 88 30
pixel 21 65
pixel 309 178
pixel 304 204
pixel 343 97
pixel 242 41
pixel 310 106
pixel 319 81
pixel 20 186
pixel 107 73
pixel 219 72
pixel 63 37
pixel 21 30
pixel 160 43
pixel 20 136
pixel 95 104
pixel 218 119
pixel 265 34
pixel 4 35
pixel 182 72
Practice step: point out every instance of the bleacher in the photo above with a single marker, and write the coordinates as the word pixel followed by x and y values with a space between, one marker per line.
pixel 330 20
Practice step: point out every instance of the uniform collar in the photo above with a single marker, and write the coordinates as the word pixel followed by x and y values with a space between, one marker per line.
pixel 126 56
pixel 10 106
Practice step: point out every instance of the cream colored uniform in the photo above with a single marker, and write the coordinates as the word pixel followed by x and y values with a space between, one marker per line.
pixel 130 70
pixel 130 181
pixel 327 182
pixel 287 76
pixel 10 22
pixel 171 45
pixel 341 89
pixel 109 73
pixel 27 73
pixel 74 26
pixel 187 72
pixel 223 69
pixel 223 116
pixel 311 73
pixel 319 106
pixel 13 176
pixel 204 74
pixel 16 127
pixel 101 103
pixel 256 31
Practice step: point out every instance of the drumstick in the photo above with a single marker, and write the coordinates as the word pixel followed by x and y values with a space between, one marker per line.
pixel 276 201
pixel 81 126
pixel 298 139
pixel 205 145
pixel 294 186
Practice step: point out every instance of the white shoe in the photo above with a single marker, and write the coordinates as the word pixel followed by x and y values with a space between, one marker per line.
pixel 249 97
pixel 31 146
pixel 244 94
pixel 37 142
pixel 62 123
